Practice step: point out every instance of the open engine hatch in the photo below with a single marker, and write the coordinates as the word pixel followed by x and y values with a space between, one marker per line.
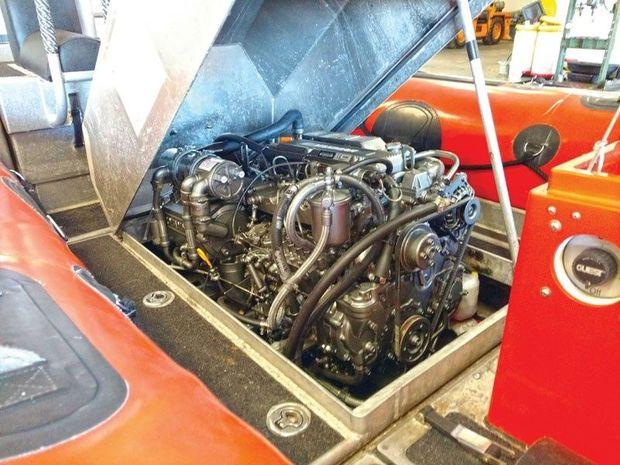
pixel 233 66
pixel 223 159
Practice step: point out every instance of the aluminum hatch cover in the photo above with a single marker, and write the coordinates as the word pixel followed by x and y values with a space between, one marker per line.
pixel 181 73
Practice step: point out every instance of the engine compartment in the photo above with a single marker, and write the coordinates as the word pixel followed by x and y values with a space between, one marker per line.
pixel 342 252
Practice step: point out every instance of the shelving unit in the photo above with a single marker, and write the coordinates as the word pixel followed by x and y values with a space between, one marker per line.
pixel 588 43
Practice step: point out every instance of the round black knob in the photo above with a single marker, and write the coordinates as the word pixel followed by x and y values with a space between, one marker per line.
pixel 594 267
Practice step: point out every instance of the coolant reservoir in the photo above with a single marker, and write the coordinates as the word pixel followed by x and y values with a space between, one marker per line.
pixel 469 302
pixel 522 51
pixel 547 49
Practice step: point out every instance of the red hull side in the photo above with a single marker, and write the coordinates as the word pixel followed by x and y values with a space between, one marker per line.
pixel 514 109
pixel 169 416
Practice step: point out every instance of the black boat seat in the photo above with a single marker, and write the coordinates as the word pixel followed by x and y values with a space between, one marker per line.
pixel 78 52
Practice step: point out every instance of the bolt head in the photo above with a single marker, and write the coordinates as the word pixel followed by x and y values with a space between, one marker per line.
pixel 555 225
pixel 576 216
pixel 545 291
pixel 370 347
pixel 552 210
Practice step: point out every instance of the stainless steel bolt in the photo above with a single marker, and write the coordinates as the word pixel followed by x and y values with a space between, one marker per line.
pixel 555 225
pixel 552 210
pixel 576 216
pixel 545 291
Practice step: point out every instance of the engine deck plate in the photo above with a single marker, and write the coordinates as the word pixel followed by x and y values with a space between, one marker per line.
pixel 200 348
pixel 207 340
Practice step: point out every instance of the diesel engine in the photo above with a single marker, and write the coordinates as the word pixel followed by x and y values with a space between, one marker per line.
pixel 341 251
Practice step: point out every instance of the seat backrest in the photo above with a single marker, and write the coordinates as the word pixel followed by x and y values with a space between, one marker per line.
pixel 20 17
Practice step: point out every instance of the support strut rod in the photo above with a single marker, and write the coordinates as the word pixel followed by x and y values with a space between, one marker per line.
pixel 58 115
pixel 486 114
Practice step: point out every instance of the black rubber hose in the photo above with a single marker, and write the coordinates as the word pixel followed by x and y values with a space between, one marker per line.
pixel 375 203
pixel 310 311
pixel 349 279
pixel 488 166
pixel 382 269
pixel 389 167
pixel 234 141
pixel 291 119
pixel 342 394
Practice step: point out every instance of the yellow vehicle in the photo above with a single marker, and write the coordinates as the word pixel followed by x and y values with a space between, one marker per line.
pixel 491 26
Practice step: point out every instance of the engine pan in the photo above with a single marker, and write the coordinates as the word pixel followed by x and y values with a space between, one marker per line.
pixel 358 424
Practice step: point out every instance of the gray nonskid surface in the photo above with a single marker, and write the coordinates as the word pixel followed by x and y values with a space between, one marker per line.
pixel 193 343
pixel 81 220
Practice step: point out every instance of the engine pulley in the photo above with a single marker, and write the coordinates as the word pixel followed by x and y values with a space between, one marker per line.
pixel 418 247
pixel 415 338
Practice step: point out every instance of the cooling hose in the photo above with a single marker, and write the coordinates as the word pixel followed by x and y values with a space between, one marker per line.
pixel 291 119
pixel 274 316
pixel 310 311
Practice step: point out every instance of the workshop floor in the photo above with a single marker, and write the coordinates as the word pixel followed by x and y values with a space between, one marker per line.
pixel 454 62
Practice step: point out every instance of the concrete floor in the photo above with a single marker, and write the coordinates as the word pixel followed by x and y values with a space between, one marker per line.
pixel 454 62
pixel 5 53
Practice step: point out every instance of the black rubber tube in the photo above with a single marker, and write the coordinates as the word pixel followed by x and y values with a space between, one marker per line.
pixel 310 311
pixel 234 141
pixel 291 119
pixel 375 203
pixel 382 269
pixel 341 286
pixel 389 167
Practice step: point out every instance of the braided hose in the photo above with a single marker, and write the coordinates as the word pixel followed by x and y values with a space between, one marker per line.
pixel 105 6
pixel 291 215
pixel 274 317
pixel 46 26
pixel 58 115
